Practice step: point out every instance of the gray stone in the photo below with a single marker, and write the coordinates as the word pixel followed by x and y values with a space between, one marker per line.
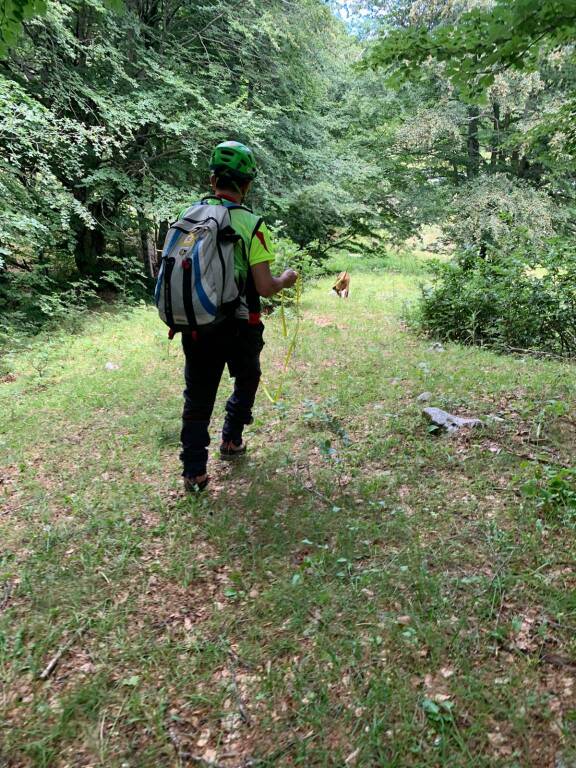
pixel 437 347
pixel 424 397
pixel 447 421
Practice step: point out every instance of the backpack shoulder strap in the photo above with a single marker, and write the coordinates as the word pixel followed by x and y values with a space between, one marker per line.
pixel 236 206
pixel 224 202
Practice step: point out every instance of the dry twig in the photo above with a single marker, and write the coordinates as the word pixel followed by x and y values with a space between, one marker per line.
pixel 244 714
pixel 53 663
pixel 7 593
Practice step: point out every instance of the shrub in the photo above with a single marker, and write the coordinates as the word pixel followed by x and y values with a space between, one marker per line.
pixel 35 299
pixel 520 299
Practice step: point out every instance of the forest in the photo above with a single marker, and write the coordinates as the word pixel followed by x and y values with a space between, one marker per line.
pixel 373 122
pixel 387 577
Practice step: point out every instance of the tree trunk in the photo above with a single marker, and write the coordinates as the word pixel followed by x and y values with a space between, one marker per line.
pixel 495 151
pixel 455 173
pixel 505 129
pixel 473 167
pixel 90 247
pixel 147 246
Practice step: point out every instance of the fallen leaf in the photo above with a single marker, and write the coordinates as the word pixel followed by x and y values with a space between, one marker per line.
pixel 446 672
pixel 441 697
pixel 496 739
pixel 204 739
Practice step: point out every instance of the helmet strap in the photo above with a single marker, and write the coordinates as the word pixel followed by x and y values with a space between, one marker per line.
pixel 239 190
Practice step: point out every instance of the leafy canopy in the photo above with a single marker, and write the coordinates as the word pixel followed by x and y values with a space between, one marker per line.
pixel 482 42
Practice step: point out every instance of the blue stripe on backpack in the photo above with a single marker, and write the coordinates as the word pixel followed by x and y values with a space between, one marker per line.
pixel 204 300
pixel 159 284
pixel 196 285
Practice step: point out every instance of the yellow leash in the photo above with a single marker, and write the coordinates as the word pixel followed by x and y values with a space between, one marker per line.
pixel 291 347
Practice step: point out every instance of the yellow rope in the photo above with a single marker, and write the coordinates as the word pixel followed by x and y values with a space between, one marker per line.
pixel 291 347
pixel 283 316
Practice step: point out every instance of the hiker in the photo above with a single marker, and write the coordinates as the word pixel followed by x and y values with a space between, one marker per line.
pixel 233 337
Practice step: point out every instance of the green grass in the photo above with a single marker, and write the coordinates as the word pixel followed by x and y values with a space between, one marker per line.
pixel 394 260
pixel 357 591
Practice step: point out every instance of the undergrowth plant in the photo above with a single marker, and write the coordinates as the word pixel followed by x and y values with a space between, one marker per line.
pixel 553 490
pixel 512 299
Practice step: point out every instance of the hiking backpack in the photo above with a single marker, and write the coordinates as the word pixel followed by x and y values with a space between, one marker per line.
pixel 196 288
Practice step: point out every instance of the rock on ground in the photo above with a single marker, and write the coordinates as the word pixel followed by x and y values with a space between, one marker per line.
pixel 448 421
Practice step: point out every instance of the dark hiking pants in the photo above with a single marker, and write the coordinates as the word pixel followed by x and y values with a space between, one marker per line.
pixel 237 345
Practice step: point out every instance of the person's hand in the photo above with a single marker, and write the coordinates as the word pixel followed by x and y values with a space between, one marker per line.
pixel 289 277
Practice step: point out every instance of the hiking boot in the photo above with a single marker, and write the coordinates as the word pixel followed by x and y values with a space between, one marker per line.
pixel 194 485
pixel 230 450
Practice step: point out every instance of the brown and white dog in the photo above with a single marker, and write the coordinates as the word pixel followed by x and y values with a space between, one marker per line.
pixel 342 285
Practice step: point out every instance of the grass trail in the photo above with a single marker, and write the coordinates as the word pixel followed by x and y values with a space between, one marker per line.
pixel 357 592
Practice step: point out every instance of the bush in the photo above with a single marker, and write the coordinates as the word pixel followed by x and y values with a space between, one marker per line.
pixel 35 299
pixel 515 300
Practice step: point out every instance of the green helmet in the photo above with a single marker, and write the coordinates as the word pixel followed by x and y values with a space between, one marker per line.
pixel 235 159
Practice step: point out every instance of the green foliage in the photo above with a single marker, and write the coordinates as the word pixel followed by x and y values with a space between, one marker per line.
pixel 477 49
pixel 318 213
pixel 500 212
pixel 14 12
pixel 289 255
pixel 516 298
pixel 486 94
pixel 509 33
pixel 107 121
pixel 554 492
